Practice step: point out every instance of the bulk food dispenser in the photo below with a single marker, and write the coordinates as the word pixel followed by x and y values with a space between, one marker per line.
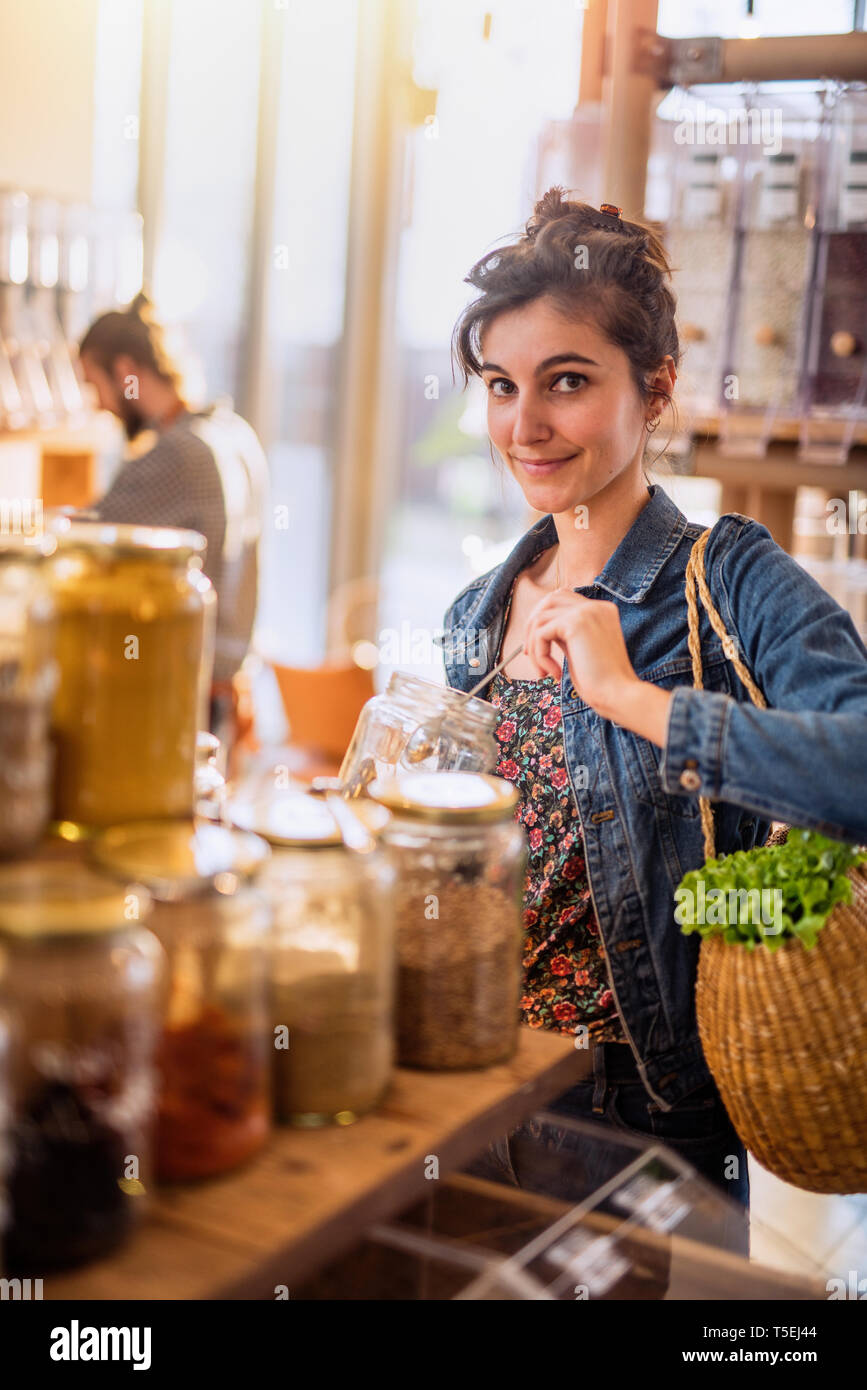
pixel 761 194
pixel 776 199
pixel 699 240
pixel 835 367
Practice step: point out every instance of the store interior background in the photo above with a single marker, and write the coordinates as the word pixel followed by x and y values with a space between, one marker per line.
pixel 303 215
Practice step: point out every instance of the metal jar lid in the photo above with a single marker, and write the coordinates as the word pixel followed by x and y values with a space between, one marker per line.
pixel 110 541
pixel 22 549
pixel 179 859
pixel 455 798
pixel 298 821
pixel 48 899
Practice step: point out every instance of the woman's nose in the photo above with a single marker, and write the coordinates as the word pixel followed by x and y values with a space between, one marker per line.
pixel 529 422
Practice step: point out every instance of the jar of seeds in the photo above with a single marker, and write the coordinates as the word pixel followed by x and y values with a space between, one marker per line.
pixel 332 959
pixel 415 724
pixel 461 861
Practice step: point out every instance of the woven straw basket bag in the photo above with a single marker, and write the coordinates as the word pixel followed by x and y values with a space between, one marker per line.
pixel 784 1033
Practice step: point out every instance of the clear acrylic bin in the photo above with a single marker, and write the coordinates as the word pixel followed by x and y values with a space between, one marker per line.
pixel 597 1216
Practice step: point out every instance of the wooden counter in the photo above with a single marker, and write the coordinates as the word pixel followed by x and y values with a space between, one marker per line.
pixel 312 1193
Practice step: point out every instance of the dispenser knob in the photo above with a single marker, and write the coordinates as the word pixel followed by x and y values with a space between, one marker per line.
pixel 843 344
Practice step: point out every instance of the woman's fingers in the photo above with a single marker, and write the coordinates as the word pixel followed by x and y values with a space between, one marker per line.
pixel 539 645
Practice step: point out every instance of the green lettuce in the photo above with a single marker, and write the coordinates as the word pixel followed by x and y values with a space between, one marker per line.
pixel 799 883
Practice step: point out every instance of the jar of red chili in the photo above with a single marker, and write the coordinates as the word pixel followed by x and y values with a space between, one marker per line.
pixel 215 1096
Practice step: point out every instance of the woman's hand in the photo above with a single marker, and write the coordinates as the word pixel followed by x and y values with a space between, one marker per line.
pixel 588 631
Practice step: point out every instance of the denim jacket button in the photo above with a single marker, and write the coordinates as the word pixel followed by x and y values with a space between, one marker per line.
pixel 474 661
pixel 572 693
pixel 690 780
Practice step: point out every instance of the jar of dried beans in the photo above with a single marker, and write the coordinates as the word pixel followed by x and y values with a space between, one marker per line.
pixel 461 860
pixel 215 1100
pixel 332 1006
pixel 83 984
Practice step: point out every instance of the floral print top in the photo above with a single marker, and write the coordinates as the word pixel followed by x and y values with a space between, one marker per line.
pixel 565 979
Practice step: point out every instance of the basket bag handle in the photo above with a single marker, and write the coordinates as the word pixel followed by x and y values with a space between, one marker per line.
pixel 695 580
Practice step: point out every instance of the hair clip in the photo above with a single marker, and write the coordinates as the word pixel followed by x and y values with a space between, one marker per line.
pixel 608 218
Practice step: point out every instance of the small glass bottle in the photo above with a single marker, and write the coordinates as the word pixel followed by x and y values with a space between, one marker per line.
pixel 135 639
pixel 83 984
pixel 333 961
pixel 28 679
pixel 214 1057
pixel 415 724
pixel 461 862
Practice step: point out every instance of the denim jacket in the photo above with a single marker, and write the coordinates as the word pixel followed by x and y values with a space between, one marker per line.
pixel 803 760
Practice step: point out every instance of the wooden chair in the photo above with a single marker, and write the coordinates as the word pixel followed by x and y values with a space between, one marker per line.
pixel 322 706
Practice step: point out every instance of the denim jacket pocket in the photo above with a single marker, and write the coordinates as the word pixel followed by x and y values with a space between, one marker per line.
pixel 643 758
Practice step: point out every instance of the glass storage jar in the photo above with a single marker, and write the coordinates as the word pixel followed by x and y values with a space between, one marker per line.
pixel 461 862
pixel 135 649
pixel 5 1119
pixel 84 987
pixel 28 678
pixel 415 724
pixel 332 971
pixel 214 1057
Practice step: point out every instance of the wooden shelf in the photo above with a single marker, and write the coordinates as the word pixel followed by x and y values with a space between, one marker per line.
pixel 312 1194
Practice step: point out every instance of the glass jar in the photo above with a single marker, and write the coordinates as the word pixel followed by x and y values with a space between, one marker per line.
pixel 415 724
pixel 5 1120
pixel 214 1057
pixel 332 972
pixel 83 984
pixel 135 649
pixel 28 678
pixel 461 861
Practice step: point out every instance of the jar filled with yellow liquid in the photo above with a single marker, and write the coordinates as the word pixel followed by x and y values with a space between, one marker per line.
pixel 135 641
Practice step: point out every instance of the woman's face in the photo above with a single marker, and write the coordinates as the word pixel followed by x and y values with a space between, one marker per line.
pixel 563 409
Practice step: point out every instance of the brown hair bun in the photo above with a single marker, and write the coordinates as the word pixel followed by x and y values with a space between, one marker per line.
pixel 622 280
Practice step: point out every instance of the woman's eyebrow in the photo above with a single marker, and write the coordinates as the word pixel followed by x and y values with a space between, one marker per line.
pixel 549 362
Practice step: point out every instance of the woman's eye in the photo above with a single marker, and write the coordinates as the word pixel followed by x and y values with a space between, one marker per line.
pixel 500 381
pixel 574 381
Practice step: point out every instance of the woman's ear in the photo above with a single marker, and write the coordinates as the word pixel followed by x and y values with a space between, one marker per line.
pixel 664 377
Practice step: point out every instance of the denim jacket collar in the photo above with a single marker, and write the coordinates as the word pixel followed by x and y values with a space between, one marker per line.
pixel 628 575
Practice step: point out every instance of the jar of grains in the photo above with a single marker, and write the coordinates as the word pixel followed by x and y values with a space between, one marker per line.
pixel 461 860
pixel 135 650
pixel 28 678
pixel 83 985
pixel 332 971
pixel 215 1097
pixel 415 724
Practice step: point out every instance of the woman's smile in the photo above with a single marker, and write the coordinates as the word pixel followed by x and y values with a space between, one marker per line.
pixel 541 467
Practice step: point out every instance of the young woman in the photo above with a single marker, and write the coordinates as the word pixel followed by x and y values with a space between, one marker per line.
pixel 609 745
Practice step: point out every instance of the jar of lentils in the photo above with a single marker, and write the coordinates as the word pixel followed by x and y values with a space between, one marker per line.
pixel 460 858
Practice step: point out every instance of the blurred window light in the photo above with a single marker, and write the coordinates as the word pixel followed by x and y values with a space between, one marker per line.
pixel 471 180
pixel 681 19
pixel 208 180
